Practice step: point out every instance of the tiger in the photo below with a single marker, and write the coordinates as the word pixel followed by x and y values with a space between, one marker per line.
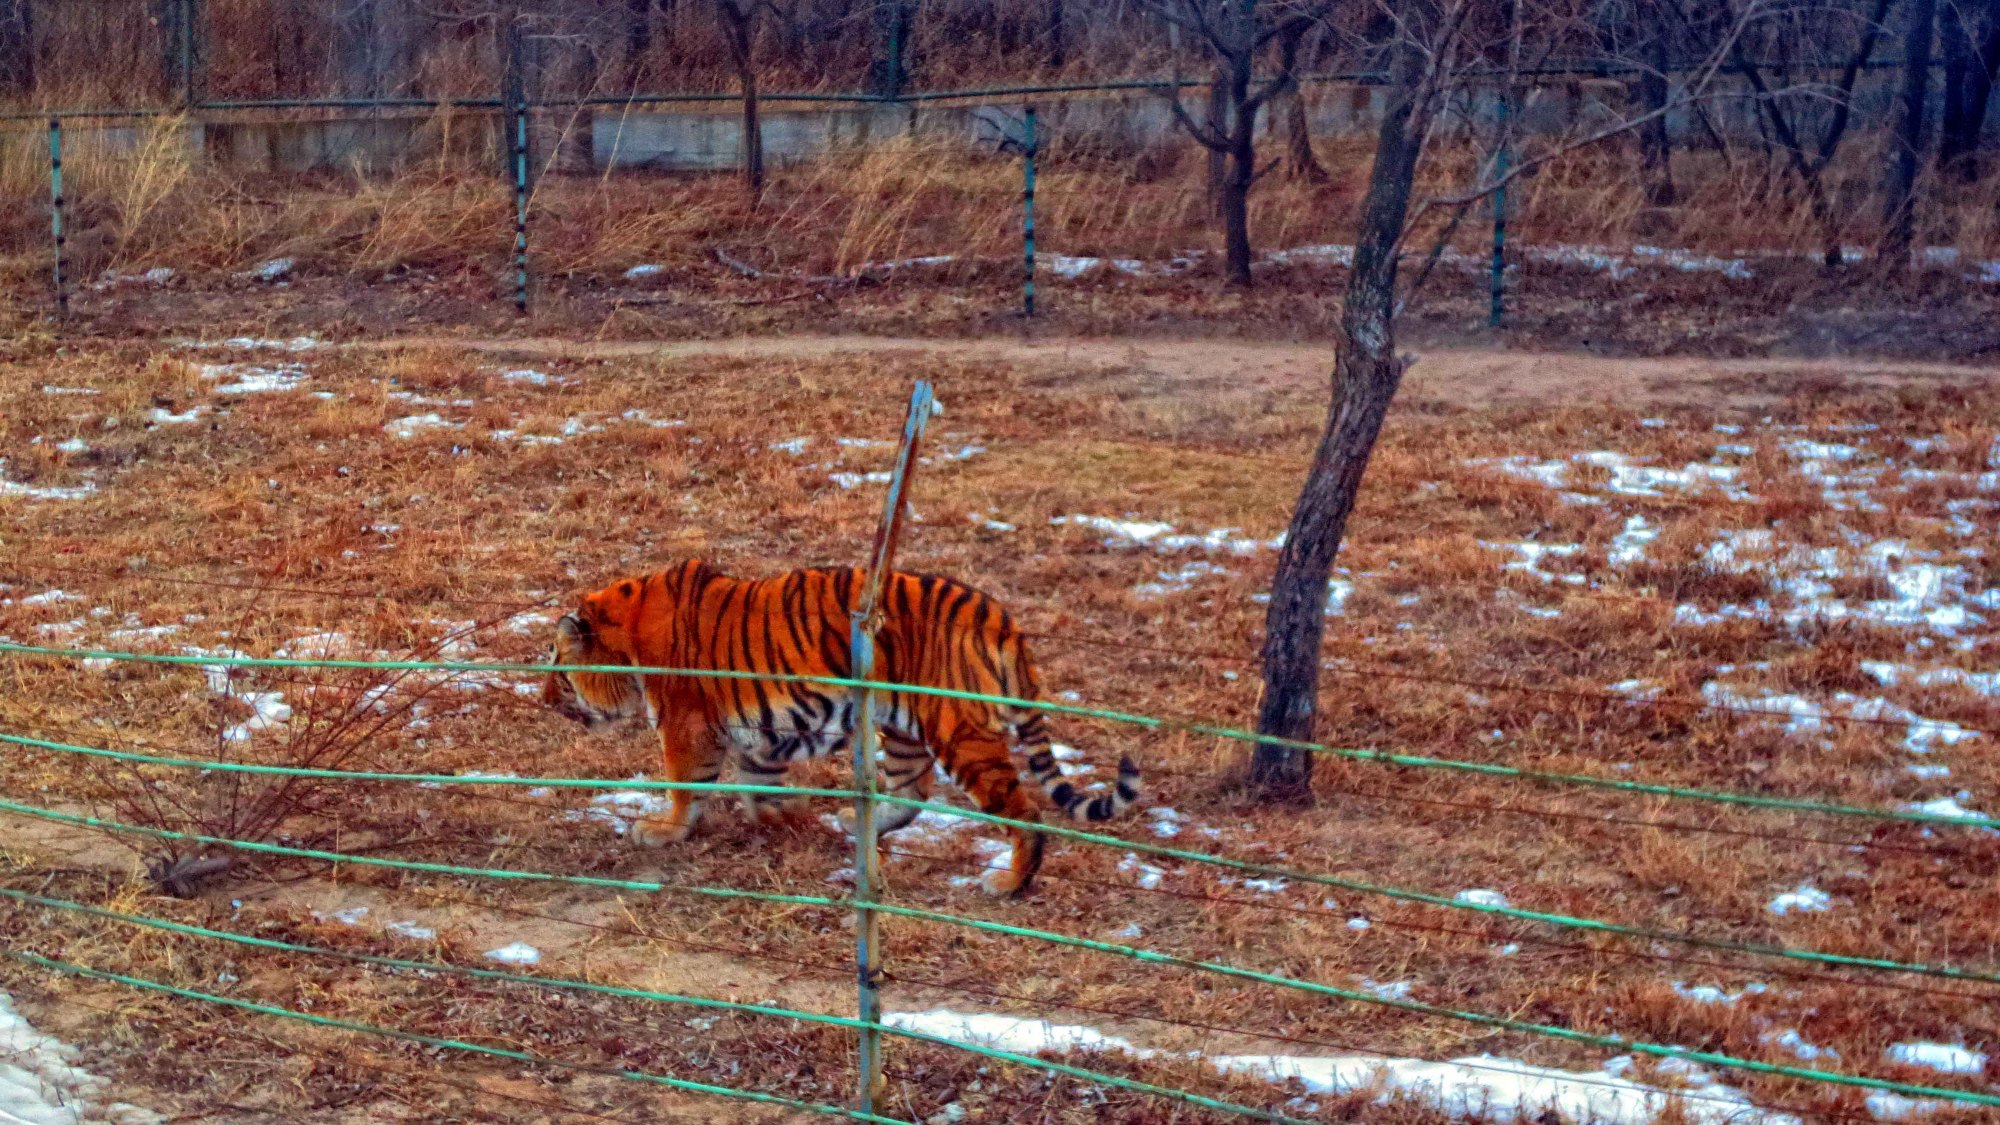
pixel 934 632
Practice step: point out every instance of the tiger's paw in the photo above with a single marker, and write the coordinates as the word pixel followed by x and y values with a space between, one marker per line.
pixel 1003 882
pixel 658 832
pixel 777 814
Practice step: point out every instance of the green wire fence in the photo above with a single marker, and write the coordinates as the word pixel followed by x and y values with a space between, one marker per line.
pixel 866 903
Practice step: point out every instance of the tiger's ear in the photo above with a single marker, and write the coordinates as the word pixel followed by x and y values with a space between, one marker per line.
pixel 571 632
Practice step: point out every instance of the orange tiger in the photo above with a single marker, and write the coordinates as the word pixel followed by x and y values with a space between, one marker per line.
pixel 935 632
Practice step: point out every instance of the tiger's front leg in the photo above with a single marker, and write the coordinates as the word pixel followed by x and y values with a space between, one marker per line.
pixel 689 751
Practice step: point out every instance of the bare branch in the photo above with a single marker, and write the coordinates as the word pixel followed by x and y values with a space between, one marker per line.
pixel 1207 135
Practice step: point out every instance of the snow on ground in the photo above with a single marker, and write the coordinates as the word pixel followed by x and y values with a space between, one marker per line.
pixel 1479 1086
pixel 1806 899
pixel 1941 1057
pixel 1131 532
pixel 515 953
pixel 41 1083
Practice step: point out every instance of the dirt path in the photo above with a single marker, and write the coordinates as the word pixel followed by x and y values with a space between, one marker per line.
pixel 1211 368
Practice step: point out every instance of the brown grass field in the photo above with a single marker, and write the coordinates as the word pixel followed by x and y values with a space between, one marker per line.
pixel 410 497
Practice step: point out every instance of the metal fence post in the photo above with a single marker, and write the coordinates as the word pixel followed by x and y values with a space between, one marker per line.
pixel 1501 160
pixel 864 620
pixel 517 99
pixel 56 214
pixel 189 52
pixel 1028 216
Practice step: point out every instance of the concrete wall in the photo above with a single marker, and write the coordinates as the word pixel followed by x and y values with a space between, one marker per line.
pixel 709 137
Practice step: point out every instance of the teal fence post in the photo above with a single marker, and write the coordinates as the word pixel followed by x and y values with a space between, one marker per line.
pixel 190 53
pixel 1028 215
pixel 1501 160
pixel 56 215
pixel 517 100
pixel 864 620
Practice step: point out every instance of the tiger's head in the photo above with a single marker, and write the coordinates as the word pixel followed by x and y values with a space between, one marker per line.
pixel 598 633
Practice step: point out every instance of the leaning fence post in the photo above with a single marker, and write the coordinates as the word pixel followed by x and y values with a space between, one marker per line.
pixel 863 621
pixel 1028 215
pixel 56 215
pixel 1501 159
pixel 517 99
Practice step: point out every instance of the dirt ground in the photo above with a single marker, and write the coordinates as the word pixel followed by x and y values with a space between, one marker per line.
pixel 396 465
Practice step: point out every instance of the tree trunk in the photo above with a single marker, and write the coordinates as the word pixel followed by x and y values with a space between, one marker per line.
pixel 1365 376
pixel 1899 204
pixel 638 39
pixel 17 47
pixel 1971 54
pixel 741 43
pixel 1656 154
pixel 1300 163
pixel 1242 172
pixel 1218 158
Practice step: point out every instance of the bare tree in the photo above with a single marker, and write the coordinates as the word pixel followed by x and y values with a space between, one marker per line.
pixel 1809 167
pixel 1971 61
pixel 17 46
pixel 1899 198
pixel 1237 34
pixel 739 22
pixel 1426 52
pixel 1300 163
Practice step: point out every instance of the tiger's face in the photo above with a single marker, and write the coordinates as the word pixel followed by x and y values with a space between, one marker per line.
pixel 595 699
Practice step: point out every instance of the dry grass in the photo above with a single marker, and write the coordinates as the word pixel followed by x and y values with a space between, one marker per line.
pixel 464 523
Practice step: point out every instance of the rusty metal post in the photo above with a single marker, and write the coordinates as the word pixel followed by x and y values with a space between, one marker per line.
pixel 863 622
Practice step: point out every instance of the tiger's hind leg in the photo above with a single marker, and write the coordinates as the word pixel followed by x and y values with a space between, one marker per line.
pixel 979 761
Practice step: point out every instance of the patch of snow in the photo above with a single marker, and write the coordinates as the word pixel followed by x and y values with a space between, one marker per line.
pixel 1630 545
pixel 644 270
pixel 1123 534
pixel 73 445
pixel 1500 1089
pixel 277 269
pixel 1710 994
pixel 517 953
pixel 856 480
pixel 1792 1041
pixel 1885 1106
pixel 410 426
pixel 249 379
pixel 1941 1057
pixel 41 1083
pixel 1176 581
pixel 1480 896
pixel 50 389
pixel 1807 899
pixel 163 417
pixel 411 931
pixel 1533 553
pixel 1148 875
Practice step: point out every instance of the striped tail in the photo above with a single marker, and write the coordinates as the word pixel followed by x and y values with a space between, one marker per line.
pixel 1031 733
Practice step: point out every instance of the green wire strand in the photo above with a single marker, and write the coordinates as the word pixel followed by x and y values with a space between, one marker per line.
pixel 82 821
pixel 1595 925
pixel 421 778
pixel 1381 757
pixel 446 1044
pixel 1143 955
pixel 1564 920
pixel 649 995
pixel 1418 1007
